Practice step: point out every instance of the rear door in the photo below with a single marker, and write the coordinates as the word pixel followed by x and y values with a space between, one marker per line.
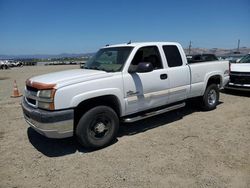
pixel 146 90
pixel 178 73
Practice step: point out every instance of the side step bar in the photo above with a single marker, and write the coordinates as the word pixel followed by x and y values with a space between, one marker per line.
pixel 154 113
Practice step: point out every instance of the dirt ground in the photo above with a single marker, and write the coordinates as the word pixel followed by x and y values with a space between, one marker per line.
pixel 183 148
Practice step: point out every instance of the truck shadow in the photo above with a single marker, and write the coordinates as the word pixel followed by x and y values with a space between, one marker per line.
pixel 159 120
pixel 60 147
pixel 236 93
pixel 54 147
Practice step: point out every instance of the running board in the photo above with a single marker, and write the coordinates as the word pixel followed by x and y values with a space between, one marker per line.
pixel 154 113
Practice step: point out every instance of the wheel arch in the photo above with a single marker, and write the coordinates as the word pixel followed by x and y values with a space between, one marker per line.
pixel 107 100
pixel 216 79
pixel 213 79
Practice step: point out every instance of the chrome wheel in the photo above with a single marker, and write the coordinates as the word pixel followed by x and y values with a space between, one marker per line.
pixel 212 97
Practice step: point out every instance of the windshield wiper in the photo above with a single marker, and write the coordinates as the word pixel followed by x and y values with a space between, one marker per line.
pixel 95 68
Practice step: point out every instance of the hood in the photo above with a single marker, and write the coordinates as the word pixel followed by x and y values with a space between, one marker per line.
pixel 64 78
pixel 240 67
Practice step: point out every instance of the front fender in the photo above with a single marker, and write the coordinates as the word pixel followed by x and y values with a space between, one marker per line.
pixel 76 100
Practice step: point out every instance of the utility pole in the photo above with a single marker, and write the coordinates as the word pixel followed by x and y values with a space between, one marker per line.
pixel 238 49
pixel 189 47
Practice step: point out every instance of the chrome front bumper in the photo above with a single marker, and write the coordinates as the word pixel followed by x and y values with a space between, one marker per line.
pixel 52 124
pixel 240 87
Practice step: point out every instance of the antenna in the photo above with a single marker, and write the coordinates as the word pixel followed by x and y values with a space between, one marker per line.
pixel 189 47
pixel 238 49
pixel 129 42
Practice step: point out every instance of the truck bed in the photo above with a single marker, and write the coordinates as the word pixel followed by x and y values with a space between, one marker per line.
pixel 197 72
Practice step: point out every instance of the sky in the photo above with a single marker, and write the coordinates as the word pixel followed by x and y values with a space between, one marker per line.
pixel 82 26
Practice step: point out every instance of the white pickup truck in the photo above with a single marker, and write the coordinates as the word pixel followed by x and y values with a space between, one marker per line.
pixel 126 82
pixel 240 75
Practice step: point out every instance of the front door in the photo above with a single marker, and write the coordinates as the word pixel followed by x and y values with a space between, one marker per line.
pixel 146 90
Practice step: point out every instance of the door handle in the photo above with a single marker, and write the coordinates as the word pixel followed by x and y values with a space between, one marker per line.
pixel 163 76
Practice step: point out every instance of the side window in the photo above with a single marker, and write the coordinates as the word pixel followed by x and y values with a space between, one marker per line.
pixel 173 55
pixel 148 54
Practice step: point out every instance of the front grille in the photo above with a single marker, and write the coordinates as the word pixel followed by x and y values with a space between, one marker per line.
pixel 31 95
pixel 240 77
pixel 32 101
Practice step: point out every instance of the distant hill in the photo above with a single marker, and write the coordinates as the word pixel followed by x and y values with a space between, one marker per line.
pixel 45 56
pixel 218 51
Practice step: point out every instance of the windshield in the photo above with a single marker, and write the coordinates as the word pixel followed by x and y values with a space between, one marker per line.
pixel 109 59
pixel 245 59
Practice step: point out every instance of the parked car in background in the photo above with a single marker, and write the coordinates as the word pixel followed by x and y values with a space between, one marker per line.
pixel 4 64
pixel 13 63
pixel 234 59
pixel 240 75
pixel 201 58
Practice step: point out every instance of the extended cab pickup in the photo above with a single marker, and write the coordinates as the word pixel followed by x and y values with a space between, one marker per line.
pixel 126 82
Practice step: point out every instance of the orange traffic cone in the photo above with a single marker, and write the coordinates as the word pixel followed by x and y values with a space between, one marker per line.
pixel 15 91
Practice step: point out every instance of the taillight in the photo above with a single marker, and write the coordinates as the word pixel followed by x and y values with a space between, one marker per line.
pixel 227 71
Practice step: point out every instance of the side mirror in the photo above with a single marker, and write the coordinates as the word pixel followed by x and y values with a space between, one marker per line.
pixel 142 67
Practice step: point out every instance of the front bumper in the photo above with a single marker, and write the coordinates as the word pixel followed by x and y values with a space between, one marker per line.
pixel 241 87
pixel 52 124
pixel 239 81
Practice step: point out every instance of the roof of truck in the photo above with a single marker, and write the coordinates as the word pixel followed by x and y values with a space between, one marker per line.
pixel 134 44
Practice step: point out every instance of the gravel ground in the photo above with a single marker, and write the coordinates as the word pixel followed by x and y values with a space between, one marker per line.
pixel 183 148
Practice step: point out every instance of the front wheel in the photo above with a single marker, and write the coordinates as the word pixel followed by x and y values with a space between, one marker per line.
pixel 211 97
pixel 98 127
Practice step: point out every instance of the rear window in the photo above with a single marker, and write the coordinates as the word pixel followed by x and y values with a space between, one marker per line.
pixel 173 55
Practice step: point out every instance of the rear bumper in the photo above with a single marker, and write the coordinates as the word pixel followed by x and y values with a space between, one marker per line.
pixel 225 81
pixel 52 124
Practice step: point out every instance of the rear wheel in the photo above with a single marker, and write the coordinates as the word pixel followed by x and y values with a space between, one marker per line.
pixel 211 97
pixel 98 127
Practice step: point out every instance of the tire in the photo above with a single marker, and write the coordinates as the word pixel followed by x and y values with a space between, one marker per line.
pixel 98 127
pixel 211 97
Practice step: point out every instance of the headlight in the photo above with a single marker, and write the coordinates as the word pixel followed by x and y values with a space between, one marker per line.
pixel 46 99
pixel 46 93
